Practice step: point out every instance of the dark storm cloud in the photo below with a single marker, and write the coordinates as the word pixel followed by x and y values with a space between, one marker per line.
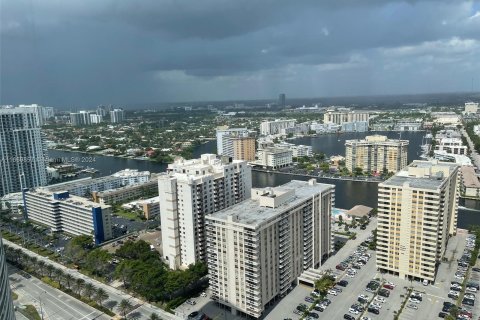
pixel 88 52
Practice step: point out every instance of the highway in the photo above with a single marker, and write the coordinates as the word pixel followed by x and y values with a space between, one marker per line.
pixel 142 309
pixel 53 303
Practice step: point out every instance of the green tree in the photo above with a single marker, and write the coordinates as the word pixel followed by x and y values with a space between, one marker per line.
pixel 324 283
pixel 89 290
pixel 101 295
pixel 154 316
pixel 124 307
pixel 68 280
pixel 97 261
pixel 79 285
pixel 358 171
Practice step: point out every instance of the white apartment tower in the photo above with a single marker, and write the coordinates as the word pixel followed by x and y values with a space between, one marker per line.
pixel 22 151
pixel 275 127
pixel 258 248
pixel 117 115
pixel 471 107
pixel 417 213
pixel 190 190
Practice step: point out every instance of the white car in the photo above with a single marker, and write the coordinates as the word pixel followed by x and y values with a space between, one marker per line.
pixel 363 296
pixel 453 293
pixel 425 282
pixel 412 306
pixel 350 275
pixel 413 300
pixel 365 318
pixel 471 289
pixel 380 299
pixel 353 311
pixel 469 296
pixel 391 283
pixel 376 305
pixel 332 292
pixel 203 294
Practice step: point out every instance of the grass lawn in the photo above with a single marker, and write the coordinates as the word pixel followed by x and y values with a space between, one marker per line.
pixel 127 214
pixel 30 312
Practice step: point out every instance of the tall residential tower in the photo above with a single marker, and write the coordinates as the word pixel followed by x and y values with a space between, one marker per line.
pixel 22 151
pixel 417 213
pixel 258 248
pixel 189 191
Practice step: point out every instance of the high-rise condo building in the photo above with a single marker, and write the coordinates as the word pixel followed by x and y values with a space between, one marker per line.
pixel 282 100
pixel 22 151
pixel 117 115
pixel 81 118
pixel 376 153
pixel 6 306
pixel 417 213
pixel 189 191
pixel 257 248
pixel 339 117
pixel 238 143
pixel 275 127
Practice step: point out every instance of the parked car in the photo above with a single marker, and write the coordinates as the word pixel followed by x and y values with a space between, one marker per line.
pixel 373 310
pixel 412 306
pixel 348 317
pixel 342 283
pixel 413 300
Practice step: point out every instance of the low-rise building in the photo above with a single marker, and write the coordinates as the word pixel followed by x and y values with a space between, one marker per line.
pixel 471 107
pixel 470 186
pixel 129 192
pixel 150 207
pixel 62 212
pixel 356 126
pixel 450 145
pixel 274 158
pixel 258 248
pixel 84 187
pixel 408 125
pixel 298 150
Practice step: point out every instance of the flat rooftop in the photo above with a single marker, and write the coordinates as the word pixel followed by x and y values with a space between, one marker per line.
pixel 250 212
pixel 436 173
pixel 470 178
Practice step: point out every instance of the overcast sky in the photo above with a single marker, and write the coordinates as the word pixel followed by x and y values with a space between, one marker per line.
pixel 90 52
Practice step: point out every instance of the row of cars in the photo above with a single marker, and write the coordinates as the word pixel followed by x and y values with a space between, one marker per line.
pixel 456 286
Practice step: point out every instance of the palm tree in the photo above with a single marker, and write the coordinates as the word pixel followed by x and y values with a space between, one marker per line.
pixel 17 254
pixel 59 275
pixel 32 261
pixel 124 307
pixel 50 269
pixel 41 267
pixel 89 290
pixel 101 295
pixel 68 280
pixel 79 285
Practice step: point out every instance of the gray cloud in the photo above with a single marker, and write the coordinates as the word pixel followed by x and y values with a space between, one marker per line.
pixel 90 52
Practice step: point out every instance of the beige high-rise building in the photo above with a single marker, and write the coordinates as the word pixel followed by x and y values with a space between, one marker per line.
pixel 257 249
pixel 244 148
pixel 188 192
pixel 376 153
pixel 417 213
pixel 340 117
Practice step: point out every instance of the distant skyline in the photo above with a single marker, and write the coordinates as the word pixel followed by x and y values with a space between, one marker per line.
pixel 94 52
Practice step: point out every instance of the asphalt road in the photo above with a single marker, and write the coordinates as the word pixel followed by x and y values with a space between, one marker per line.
pixel 142 309
pixel 54 304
